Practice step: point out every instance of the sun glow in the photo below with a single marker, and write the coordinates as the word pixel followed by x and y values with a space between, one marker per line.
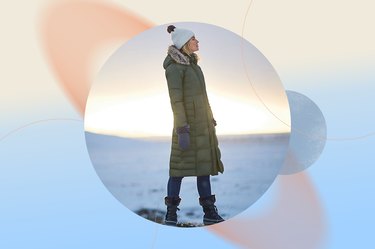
pixel 237 117
pixel 130 94
pixel 151 115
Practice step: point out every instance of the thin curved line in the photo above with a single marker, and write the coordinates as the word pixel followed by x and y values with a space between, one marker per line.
pixel 351 138
pixel 34 123
pixel 247 73
pixel 268 109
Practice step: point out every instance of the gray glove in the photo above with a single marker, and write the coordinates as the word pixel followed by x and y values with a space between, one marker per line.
pixel 183 134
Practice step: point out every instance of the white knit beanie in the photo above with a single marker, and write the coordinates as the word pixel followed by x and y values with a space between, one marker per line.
pixel 179 36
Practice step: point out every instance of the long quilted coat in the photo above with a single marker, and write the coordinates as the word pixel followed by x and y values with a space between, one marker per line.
pixel 188 96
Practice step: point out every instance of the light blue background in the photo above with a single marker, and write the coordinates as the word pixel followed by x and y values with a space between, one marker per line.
pixel 51 196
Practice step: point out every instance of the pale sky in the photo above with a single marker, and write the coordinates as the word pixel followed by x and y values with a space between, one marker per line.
pixel 130 98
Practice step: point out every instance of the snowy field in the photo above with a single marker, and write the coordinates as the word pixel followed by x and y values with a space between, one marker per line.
pixel 135 171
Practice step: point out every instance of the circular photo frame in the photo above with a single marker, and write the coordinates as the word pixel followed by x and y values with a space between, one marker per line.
pixel 202 138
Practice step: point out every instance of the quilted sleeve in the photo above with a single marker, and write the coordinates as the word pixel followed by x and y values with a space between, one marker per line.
pixel 175 78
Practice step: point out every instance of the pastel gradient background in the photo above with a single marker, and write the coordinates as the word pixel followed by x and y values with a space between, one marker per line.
pixel 52 198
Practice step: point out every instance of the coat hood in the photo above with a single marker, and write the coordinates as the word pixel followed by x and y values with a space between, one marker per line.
pixel 176 56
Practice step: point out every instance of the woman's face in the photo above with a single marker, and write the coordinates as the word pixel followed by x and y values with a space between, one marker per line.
pixel 193 44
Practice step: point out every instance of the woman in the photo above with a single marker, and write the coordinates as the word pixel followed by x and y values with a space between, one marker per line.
pixel 195 150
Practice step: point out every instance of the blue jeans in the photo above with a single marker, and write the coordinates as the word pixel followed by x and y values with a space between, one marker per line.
pixel 203 185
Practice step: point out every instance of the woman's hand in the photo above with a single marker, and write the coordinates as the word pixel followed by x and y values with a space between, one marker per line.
pixel 183 134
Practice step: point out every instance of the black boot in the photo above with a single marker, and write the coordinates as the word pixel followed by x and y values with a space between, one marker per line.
pixel 210 211
pixel 171 216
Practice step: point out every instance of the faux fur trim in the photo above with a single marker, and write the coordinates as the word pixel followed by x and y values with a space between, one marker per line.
pixel 178 56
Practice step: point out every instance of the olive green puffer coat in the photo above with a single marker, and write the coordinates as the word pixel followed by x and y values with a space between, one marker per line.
pixel 187 92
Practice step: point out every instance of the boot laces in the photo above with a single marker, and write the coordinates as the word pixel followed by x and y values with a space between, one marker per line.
pixel 212 210
pixel 171 211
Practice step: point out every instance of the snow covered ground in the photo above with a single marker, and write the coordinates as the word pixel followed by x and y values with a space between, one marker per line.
pixel 135 171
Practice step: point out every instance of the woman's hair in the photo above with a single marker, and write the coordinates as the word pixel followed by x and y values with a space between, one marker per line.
pixel 186 49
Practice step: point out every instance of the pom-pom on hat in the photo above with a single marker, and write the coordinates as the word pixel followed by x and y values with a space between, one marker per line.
pixel 179 36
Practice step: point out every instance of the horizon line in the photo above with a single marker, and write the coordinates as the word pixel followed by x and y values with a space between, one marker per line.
pixel 160 137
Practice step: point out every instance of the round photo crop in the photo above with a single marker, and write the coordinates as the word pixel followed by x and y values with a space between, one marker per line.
pixel 187 128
